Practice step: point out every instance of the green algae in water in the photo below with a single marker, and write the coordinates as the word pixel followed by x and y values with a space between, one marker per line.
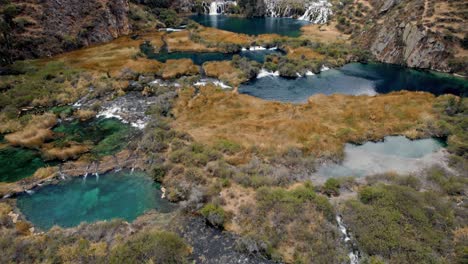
pixel 108 135
pixel 113 195
pixel 18 163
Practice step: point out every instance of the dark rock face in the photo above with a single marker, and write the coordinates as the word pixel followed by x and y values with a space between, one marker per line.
pixel 55 26
pixel 397 37
pixel 210 245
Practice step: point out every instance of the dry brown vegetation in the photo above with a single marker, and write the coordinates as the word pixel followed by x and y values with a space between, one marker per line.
pixel 8 125
pixel 321 126
pixel 181 41
pixel 35 133
pixel 84 115
pixel 177 68
pixel 114 56
pixel 301 53
pixel 44 173
pixel 323 33
pixel 72 151
pixel 218 37
pixel 224 71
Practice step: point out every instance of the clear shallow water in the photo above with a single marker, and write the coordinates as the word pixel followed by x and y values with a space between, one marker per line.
pixel 253 26
pixel 395 154
pixel 354 79
pixel 112 195
pixel 199 58
pixel 18 163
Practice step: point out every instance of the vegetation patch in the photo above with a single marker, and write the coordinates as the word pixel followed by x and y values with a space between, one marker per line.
pixel 401 224
pixel 313 127
pixel 295 225
pixel 177 68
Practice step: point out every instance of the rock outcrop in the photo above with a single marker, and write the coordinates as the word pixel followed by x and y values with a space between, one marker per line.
pixel 398 35
pixel 53 26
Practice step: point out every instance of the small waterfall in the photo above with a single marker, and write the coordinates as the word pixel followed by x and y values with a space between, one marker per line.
pixel 316 11
pixel 217 7
pixel 118 167
pixel 214 8
pixel 354 254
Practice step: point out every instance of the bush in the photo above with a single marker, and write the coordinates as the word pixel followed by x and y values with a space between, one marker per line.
pixel 168 16
pixel 194 155
pixel 450 184
pixel 158 172
pixel 401 224
pixel 152 246
pixel 214 214
pixel 331 187
pixel 228 147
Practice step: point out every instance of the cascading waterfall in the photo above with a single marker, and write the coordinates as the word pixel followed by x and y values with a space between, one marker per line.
pixel 354 254
pixel 316 11
pixel 217 7
pixel 214 8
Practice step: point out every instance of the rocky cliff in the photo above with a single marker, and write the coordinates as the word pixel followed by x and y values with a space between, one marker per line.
pixel 418 33
pixel 45 27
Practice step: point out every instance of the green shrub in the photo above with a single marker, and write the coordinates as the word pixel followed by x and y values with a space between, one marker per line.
pixel 401 224
pixel 450 184
pixel 152 246
pixel 331 187
pixel 214 214
pixel 168 16
pixel 158 172
pixel 228 147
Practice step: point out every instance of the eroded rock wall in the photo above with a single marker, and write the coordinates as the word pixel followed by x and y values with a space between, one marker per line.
pixel 398 35
pixel 55 26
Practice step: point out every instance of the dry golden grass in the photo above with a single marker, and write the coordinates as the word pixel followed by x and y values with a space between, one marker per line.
pixel 181 41
pixel 224 71
pixel 35 133
pixel 84 115
pixel 236 196
pixel 5 209
pixel 44 173
pixel 323 33
pixel 22 228
pixel 266 39
pixel 70 152
pixel 176 68
pixel 303 53
pixel 9 125
pixel 218 36
pixel 114 56
pixel 322 126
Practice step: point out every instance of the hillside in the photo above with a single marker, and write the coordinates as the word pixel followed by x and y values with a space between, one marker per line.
pixel 429 34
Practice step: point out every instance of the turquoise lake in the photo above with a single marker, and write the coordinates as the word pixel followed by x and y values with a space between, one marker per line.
pixel 354 79
pixel 121 194
pixel 253 26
